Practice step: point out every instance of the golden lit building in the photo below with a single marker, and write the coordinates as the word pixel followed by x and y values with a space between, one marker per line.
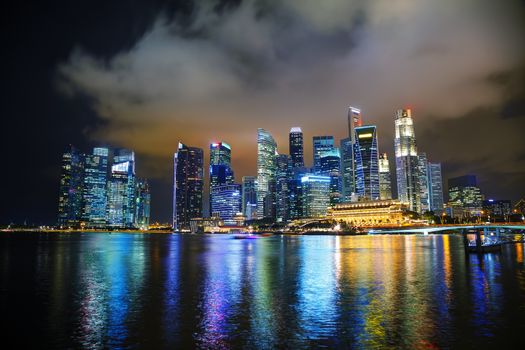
pixel 370 213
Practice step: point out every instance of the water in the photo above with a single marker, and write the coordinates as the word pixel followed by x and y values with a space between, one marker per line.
pixel 96 290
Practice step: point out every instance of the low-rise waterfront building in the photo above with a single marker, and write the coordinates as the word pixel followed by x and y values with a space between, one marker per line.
pixel 370 213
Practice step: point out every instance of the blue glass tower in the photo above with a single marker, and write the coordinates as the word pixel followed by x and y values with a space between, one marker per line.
pixel 95 188
pixel 227 201
pixel 321 144
pixel 367 162
pixel 142 204
pixel 121 190
pixel 331 166
pixel 71 183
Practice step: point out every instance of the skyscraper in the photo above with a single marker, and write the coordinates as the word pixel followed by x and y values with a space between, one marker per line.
pixel 121 190
pixel 295 193
pixel 221 172
pixel 266 171
pixel 296 147
pixel 227 202
pixel 348 168
pixel 366 162
pixel 331 166
pixel 407 160
pixel 463 192
pixel 436 188
pixel 424 185
pixel 142 204
pixel 321 144
pixel 95 188
pixel 385 184
pixel 71 183
pixel 188 186
pixel 316 195
pixel 249 197
pixel 283 171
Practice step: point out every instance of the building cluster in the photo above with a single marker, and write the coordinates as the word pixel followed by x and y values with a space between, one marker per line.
pixel 349 182
pixel 101 190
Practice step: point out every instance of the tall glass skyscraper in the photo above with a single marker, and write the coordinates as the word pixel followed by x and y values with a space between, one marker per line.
pixel 266 172
pixel 316 195
pixel 142 204
pixel 283 170
pixel 331 166
pixel 221 172
pixel 424 185
pixel 227 202
pixel 321 144
pixel 385 184
pixel 407 161
pixel 295 193
pixel 95 188
pixel 249 197
pixel 188 186
pixel 436 188
pixel 71 183
pixel 296 147
pixel 367 162
pixel 347 169
pixel 121 190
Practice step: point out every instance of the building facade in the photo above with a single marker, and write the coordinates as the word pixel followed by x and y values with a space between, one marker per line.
pixel 142 204
pixel 463 192
pixel 249 197
pixel 385 182
pixel 370 213
pixel 227 202
pixel 436 188
pixel 71 184
pixel 283 171
pixel 316 195
pixel 424 185
pixel 266 172
pixel 95 188
pixel 331 166
pixel 366 162
pixel 321 144
pixel 121 190
pixel 296 147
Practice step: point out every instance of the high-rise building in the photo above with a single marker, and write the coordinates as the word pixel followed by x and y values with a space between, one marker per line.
pixel 435 188
pixel 296 147
pixel 282 176
pixel 385 184
pixel 71 183
pixel 221 172
pixel 321 144
pixel 142 204
pixel 366 162
pixel 331 166
pixel 295 193
pixel 188 186
pixel 424 185
pixel 227 201
pixel 249 197
pixel 121 190
pixel 220 153
pixel 354 120
pixel 463 192
pixel 407 161
pixel 266 171
pixel 95 188
pixel 497 208
pixel 347 169
pixel 316 195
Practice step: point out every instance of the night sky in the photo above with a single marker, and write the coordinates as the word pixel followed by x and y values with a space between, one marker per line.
pixel 148 74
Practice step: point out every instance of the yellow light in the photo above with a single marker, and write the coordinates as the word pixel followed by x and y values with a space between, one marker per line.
pixel 362 136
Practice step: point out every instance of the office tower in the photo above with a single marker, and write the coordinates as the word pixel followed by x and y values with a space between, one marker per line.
pixel 266 170
pixel 331 166
pixel 406 160
pixel 95 188
pixel 142 204
pixel 497 208
pixel 366 162
pixel 321 144
pixel 221 172
pixel 70 197
pixel 316 195
pixel 188 186
pixel 295 193
pixel 385 184
pixel 464 192
pixel 121 190
pixel 435 188
pixel 354 120
pixel 347 169
pixel 220 153
pixel 227 201
pixel 249 197
pixel 424 185
pixel 282 176
pixel 296 147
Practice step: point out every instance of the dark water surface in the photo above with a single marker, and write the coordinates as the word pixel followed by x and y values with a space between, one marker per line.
pixel 96 290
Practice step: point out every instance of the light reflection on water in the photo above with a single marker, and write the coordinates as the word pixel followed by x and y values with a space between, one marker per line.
pixel 124 290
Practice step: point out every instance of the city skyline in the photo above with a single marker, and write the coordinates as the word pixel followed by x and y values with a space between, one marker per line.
pixel 171 71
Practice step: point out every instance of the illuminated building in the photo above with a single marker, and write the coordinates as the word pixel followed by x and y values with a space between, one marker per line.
pixel 221 172
pixel 370 213
pixel 407 161
pixel 296 147
pixel 142 204
pixel 435 187
pixel 385 184
pixel 95 188
pixel 283 170
pixel 189 181
pixel 366 162
pixel 331 166
pixel 348 168
pixel 321 144
pixel 121 190
pixel 295 193
pixel 266 171
pixel 316 195
pixel 220 153
pixel 227 201
pixel 71 182
pixel 464 192
pixel 249 197
pixel 424 185
pixel 494 207
pixel 520 206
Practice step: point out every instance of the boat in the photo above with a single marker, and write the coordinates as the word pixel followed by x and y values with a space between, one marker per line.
pixel 244 236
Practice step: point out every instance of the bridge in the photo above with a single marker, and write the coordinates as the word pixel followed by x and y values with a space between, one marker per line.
pixel 443 228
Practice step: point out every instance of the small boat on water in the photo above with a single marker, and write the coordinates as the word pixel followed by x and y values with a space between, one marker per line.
pixel 245 236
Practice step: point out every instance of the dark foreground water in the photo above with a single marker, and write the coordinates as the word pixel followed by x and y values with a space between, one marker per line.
pixel 180 291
